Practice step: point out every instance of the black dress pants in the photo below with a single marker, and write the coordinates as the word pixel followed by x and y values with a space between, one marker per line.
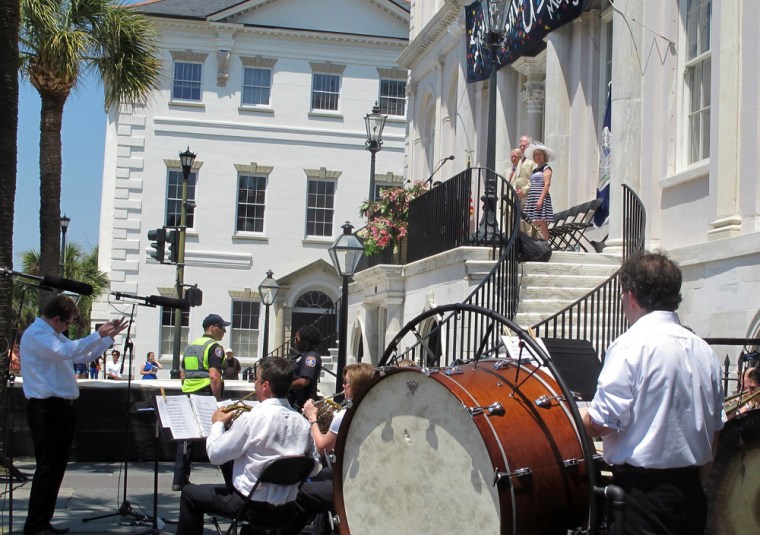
pixel 51 423
pixel 662 502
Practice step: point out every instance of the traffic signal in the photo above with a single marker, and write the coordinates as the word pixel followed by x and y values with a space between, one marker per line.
pixel 158 242
pixel 194 296
pixel 173 240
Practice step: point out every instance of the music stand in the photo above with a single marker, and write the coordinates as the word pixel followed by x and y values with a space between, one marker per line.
pixel 577 362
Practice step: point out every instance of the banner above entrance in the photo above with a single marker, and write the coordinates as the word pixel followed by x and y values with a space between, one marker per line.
pixel 528 22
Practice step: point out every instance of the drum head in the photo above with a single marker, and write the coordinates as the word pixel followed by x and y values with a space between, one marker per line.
pixel 401 464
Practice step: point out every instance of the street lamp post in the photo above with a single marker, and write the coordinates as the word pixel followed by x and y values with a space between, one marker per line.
pixel 65 220
pixel 268 291
pixel 375 122
pixel 345 253
pixel 186 159
pixel 494 15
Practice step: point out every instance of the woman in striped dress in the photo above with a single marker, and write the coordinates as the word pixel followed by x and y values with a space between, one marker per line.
pixel 538 207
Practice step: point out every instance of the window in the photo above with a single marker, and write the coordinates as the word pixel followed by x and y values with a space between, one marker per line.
pixel 393 97
pixel 245 328
pixel 697 77
pixel 174 198
pixel 380 187
pixel 257 86
pixel 319 212
pixel 325 91
pixel 187 81
pixel 167 330
pixel 251 203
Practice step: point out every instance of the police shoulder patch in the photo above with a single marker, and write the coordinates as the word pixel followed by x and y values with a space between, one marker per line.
pixel 218 351
pixel 311 361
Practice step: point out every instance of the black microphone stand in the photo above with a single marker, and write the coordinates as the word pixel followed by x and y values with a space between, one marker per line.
pixel 126 509
pixel 437 168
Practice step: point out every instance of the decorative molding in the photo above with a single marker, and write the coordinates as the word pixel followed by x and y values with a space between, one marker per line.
pixel 188 55
pixel 176 164
pixel 253 168
pixel 436 27
pixel 168 291
pixel 247 294
pixel 389 178
pixel 322 172
pixel 393 73
pixel 258 61
pixel 531 67
pixel 327 67
pixel 222 67
pixel 533 96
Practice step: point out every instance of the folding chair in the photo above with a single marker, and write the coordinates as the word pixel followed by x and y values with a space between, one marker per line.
pixel 283 471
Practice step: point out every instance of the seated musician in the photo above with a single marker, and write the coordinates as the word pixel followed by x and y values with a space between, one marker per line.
pixel 316 496
pixel 248 443
pixel 751 384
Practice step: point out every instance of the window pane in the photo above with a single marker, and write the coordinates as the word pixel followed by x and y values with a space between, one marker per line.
pixel 257 84
pixel 167 331
pixel 392 97
pixel 245 328
pixel 319 212
pixel 174 198
pixel 187 81
pixel 251 203
pixel 325 91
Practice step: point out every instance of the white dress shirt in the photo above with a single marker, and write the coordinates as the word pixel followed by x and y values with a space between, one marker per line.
pixel 48 358
pixel 661 390
pixel 270 430
pixel 113 368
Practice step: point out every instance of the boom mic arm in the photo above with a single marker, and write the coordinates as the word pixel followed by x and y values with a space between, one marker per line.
pixel 438 168
pixel 155 300
pixel 49 282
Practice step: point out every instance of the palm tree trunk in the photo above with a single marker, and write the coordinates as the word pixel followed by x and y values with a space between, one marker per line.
pixel 51 121
pixel 9 22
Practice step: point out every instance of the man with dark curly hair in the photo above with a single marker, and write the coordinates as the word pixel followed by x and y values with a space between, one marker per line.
pixel 658 404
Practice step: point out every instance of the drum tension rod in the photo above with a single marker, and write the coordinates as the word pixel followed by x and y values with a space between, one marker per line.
pixel 495 408
pixel 499 476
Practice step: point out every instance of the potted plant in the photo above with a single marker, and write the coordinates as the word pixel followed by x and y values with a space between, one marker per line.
pixel 388 218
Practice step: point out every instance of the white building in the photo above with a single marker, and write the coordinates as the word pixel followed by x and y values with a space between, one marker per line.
pixel 685 106
pixel 271 95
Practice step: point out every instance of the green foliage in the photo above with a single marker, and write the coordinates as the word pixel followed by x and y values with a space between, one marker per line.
pixel 387 218
pixel 79 266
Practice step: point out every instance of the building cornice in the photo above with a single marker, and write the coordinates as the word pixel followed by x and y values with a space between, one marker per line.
pixel 431 33
pixel 391 8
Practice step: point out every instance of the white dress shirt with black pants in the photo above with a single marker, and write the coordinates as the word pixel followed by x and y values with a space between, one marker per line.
pixel 269 431
pixel 50 387
pixel 660 392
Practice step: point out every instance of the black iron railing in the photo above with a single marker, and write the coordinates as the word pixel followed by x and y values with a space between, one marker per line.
pixel 598 317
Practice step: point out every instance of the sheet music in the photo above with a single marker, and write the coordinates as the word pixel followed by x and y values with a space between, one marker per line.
pixel 204 406
pixel 512 344
pixel 177 414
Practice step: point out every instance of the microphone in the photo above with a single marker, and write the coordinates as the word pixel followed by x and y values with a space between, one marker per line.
pixel 438 168
pixel 173 302
pixel 68 285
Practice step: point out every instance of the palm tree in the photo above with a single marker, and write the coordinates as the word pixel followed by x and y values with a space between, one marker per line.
pixel 9 23
pixel 59 40
pixel 79 266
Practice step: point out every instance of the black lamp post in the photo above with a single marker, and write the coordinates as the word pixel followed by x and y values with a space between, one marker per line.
pixel 268 291
pixel 494 15
pixel 186 159
pixel 345 253
pixel 375 122
pixel 65 220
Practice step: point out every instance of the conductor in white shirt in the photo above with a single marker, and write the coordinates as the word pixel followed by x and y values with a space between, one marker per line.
pixel 658 404
pixel 50 387
pixel 269 431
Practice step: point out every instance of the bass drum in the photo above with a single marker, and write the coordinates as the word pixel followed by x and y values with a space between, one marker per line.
pixel 423 453
pixel 733 490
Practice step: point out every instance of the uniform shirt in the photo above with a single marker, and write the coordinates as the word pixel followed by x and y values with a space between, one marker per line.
pixel 48 357
pixel 308 365
pixel 661 389
pixel 268 431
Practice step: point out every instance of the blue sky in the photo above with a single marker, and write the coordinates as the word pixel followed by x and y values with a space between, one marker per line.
pixel 83 138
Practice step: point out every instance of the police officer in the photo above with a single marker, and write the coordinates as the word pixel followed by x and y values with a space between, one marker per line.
pixel 201 374
pixel 307 366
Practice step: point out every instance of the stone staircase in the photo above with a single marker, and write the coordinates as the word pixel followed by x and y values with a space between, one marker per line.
pixel 548 287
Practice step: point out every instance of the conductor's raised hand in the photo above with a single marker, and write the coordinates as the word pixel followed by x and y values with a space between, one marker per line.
pixel 112 328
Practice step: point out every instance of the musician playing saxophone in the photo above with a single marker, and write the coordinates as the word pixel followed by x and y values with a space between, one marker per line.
pixel 316 496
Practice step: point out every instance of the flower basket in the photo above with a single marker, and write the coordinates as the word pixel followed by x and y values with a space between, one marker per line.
pixel 388 220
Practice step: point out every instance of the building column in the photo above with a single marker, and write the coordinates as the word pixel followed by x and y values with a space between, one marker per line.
pixel 531 118
pixel 728 217
pixel 626 114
